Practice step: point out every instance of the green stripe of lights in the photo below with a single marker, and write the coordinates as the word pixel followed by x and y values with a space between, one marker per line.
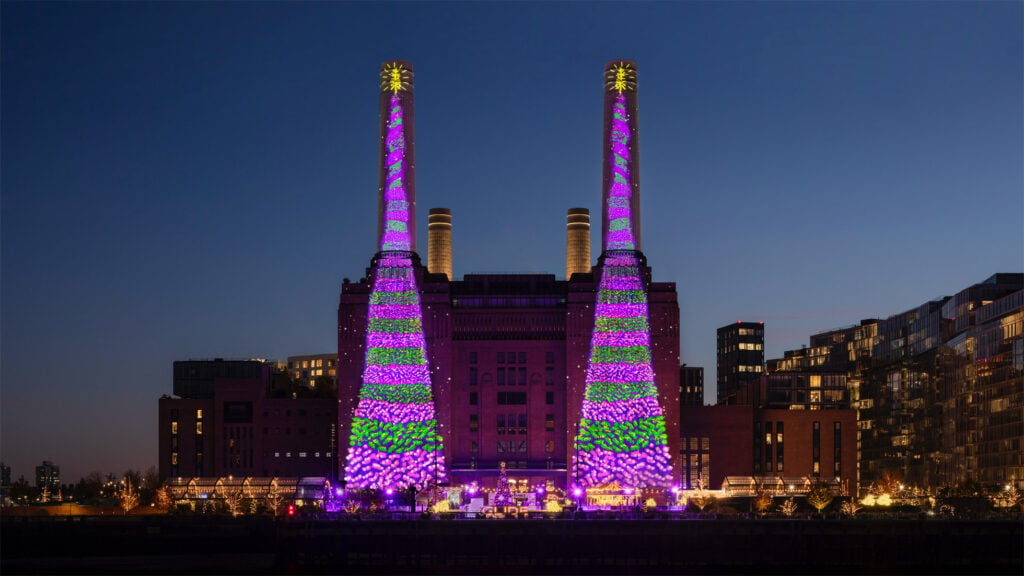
pixel 622 436
pixel 621 297
pixel 396 393
pixel 395 356
pixel 395 325
pixel 395 437
pixel 617 391
pixel 633 324
pixel 620 354
pixel 402 297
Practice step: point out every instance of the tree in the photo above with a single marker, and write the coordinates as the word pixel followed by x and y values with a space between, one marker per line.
pixel 162 498
pixel 788 508
pixel 503 496
pixel 762 499
pixel 274 497
pixel 22 492
pixel 233 501
pixel 88 489
pixel 820 496
pixel 850 508
pixel 128 496
pixel 149 484
pixel 703 498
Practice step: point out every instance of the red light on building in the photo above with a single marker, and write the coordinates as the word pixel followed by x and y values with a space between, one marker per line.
pixel 291 510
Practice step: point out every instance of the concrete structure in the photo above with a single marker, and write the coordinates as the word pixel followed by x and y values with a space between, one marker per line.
pixel 439 242
pixel 740 357
pixel 577 242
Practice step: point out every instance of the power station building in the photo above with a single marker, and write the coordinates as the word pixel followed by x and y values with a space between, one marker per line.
pixel 508 354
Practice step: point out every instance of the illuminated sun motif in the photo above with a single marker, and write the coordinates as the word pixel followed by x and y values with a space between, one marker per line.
pixel 621 77
pixel 394 77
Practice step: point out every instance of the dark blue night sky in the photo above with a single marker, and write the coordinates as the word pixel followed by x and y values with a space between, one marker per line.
pixel 193 180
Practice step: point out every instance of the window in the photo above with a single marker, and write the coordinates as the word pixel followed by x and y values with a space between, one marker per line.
pixel 474 447
pixel 511 357
pixel 511 398
pixel 174 458
pixel 501 423
pixel 549 446
pixel 522 376
pixel 501 357
pixel 522 357
pixel 816 448
pixel 174 427
pixel 474 422
pixel 302 454
pixel 199 414
pixel 549 357
pixel 522 425
pixel 199 428
pixel 778 444
pixel 473 398
pixel 549 376
pixel 522 448
pixel 549 398
pixel 501 377
pixel 837 449
pixel 472 357
pixel 549 422
pixel 473 376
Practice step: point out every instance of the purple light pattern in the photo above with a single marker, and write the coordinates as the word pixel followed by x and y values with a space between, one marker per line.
pixel 394 442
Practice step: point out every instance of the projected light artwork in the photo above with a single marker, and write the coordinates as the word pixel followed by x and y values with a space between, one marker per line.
pixel 622 435
pixel 396 229
pixel 394 441
pixel 622 430
pixel 620 214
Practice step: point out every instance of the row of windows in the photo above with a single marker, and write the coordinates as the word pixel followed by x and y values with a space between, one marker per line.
pixel 511 423
pixel 745 368
pixel 506 446
pixel 315 363
pixel 512 358
pixel 510 376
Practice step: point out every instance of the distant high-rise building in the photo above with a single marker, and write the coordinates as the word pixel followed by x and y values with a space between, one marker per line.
pixel 48 476
pixel 439 242
pixel 5 474
pixel 691 385
pixel 577 242
pixel 740 357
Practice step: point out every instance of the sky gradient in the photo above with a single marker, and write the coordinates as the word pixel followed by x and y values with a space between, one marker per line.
pixel 193 180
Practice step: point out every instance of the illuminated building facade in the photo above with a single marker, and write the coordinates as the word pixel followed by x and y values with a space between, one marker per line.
pixel 938 389
pixel 740 357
